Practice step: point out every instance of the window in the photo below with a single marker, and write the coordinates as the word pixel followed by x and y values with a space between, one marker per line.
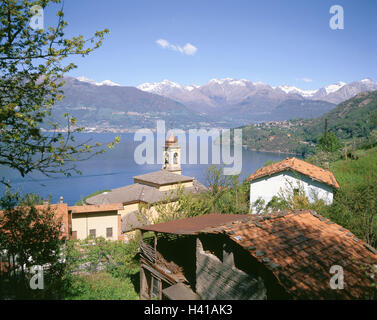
pixel 109 232
pixel 92 232
pixel 155 288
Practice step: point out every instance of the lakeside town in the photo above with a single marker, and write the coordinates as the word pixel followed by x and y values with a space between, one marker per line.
pixel 300 223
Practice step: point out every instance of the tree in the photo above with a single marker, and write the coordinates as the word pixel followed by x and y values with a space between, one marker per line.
pixel 29 236
pixel 218 183
pixel 373 119
pixel 329 142
pixel 176 204
pixel 31 78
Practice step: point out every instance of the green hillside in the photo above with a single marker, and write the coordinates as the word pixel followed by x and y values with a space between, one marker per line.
pixel 351 120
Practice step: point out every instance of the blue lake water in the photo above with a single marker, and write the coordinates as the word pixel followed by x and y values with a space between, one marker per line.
pixel 115 168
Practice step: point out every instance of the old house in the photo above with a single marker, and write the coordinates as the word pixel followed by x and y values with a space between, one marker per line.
pixel 284 255
pixel 291 175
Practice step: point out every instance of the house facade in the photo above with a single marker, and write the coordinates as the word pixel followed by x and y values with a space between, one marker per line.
pixel 282 255
pixel 97 221
pixel 289 176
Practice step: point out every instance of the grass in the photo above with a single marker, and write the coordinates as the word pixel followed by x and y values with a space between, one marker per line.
pixel 351 173
pixel 101 286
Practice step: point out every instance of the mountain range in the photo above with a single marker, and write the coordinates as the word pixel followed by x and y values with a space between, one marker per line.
pixel 246 101
pixel 219 102
pixel 218 92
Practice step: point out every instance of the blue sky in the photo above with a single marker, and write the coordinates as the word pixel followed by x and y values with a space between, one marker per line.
pixel 277 42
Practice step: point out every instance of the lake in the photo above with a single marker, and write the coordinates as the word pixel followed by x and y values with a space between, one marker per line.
pixel 115 168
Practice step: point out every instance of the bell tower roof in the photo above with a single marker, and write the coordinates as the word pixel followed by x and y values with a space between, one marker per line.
pixel 171 140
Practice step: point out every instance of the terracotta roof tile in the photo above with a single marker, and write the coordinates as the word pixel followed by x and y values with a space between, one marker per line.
pixel 297 165
pixel 96 208
pixel 297 247
pixel 302 253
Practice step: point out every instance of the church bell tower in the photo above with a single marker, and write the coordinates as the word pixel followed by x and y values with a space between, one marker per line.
pixel 172 155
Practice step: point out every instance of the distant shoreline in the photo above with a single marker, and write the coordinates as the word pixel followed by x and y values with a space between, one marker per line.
pixel 272 151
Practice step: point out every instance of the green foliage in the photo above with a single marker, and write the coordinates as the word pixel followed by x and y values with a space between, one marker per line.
pixel 93 254
pixel 177 204
pixel 30 237
pixel 355 204
pixel 101 286
pixel 33 199
pixel 101 269
pixel 329 142
pixel 225 192
pixel 32 69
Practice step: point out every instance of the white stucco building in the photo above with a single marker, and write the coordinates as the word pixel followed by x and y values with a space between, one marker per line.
pixel 290 175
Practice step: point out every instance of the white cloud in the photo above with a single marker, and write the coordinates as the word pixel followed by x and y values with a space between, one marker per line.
pixel 305 79
pixel 188 48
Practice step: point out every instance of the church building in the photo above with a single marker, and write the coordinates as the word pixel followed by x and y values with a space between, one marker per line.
pixel 122 204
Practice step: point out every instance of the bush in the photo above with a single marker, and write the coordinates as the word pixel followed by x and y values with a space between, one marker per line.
pixel 101 286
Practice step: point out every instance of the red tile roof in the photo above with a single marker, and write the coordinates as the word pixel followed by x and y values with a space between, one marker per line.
pixel 297 165
pixel 297 247
pixel 300 247
pixel 96 208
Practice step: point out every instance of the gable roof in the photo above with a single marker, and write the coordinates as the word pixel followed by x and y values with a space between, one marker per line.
pixel 162 177
pixel 300 247
pixel 138 192
pixel 297 165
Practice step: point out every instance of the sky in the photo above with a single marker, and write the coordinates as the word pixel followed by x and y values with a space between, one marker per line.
pixel 190 42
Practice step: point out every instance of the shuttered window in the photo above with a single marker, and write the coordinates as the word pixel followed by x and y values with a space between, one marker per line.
pixel 92 232
pixel 109 232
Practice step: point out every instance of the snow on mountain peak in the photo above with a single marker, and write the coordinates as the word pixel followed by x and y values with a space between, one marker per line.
pixel 109 83
pixel 292 89
pixel 334 87
pixel 159 87
pixel 103 83
pixel 367 80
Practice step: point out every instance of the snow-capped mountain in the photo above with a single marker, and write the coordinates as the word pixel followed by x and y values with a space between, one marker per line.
pixel 228 91
pixel 292 89
pixel 103 83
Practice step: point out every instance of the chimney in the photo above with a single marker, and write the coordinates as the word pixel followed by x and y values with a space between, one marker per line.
pixel 61 199
pixel 327 166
